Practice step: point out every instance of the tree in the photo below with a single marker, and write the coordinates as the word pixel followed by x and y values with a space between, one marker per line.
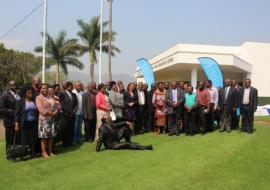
pixel 63 51
pixel 90 36
pixel 18 66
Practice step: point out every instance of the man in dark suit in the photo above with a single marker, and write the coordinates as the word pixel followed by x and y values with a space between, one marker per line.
pixel 69 105
pixel 174 99
pixel 89 112
pixel 110 134
pixel 249 103
pixel 151 109
pixel 229 105
pixel 7 108
pixel 141 122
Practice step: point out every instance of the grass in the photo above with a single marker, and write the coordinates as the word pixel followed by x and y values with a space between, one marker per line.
pixel 214 161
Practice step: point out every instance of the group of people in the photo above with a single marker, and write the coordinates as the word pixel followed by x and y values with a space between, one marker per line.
pixel 44 115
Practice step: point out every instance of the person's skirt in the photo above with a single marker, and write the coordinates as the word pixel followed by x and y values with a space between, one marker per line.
pixel 46 129
pixel 160 121
pixel 29 133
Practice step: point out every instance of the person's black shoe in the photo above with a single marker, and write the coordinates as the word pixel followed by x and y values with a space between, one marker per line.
pixel 170 134
pixel 249 132
pixel 177 134
pixel 221 131
pixel 228 131
pixel 149 147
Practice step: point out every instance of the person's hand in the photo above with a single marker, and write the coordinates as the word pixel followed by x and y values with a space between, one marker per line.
pixel 109 108
pixel 131 104
pixel 175 104
pixel 17 128
pixel 234 109
pixel 49 112
pixel 55 113
pixel 189 110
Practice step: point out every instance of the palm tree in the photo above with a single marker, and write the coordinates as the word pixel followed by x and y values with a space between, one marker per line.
pixel 90 36
pixel 110 41
pixel 63 51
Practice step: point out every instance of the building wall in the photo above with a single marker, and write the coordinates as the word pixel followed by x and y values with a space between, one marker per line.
pixel 258 54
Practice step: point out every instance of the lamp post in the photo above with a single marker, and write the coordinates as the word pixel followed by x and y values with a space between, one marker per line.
pixel 101 39
pixel 44 39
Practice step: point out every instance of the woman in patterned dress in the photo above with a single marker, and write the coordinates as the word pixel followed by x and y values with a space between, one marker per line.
pixel 160 107
pixel 45 123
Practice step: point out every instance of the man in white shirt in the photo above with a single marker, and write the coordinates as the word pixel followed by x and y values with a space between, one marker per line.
pixel 249 103
pixel 213 104
pixel 78 91
pixel 141 120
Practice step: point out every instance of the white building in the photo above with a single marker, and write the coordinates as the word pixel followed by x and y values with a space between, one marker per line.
pixel 180 63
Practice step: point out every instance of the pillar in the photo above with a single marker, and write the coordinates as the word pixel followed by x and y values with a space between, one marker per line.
pixel 194 77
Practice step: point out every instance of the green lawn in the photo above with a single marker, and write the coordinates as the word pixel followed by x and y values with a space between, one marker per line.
pixel 213 161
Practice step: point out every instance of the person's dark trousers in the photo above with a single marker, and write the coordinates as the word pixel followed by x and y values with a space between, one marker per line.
pixel 9 135
pixel 235 120
pixel 211 118
pixel 182 115
pixel 202 119
pixel 247 119
pixel 89 129
pixel 129 145
pixel 174 122
pixel 140 120
pixel 68 130
pixel 151 120
pixel 218 117
pixel 190 121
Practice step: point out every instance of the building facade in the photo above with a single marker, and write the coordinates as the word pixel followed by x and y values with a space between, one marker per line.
pixel 180 63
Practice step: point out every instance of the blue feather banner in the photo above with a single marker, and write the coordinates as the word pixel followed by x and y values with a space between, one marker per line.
pixel 147 71
pixel 212 71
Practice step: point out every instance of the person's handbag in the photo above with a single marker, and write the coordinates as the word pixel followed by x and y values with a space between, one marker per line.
pixel 113 115
pixel 15 151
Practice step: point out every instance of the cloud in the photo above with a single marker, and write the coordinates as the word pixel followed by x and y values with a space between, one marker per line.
pixel 12 43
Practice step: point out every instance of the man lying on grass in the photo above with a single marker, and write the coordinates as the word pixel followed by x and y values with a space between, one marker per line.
pixel 110 134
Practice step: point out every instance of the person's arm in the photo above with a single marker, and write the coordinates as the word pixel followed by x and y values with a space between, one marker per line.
pixel 17 117
pixel 216 99
pixel 41 107
pixel 3 108
pixel 154 99
pixel 84 105
pixel 99 103
pixel 169 102
pixel 120 124
pixel 255 99
pixel 181 98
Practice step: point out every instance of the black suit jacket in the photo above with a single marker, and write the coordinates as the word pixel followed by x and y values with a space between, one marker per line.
pixel 69 106
pixel 150 106
pixel 20 112
pixel 231 101
pixel 7 107
pixel 129 99
pixel 109 134
pixel 88 106
pixel 253 98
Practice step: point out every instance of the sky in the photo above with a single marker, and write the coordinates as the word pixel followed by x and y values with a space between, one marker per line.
pixel 144 27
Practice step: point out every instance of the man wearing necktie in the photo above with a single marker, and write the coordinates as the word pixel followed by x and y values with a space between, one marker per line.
pixel 229 105
pixel 174 99
pixel 7 107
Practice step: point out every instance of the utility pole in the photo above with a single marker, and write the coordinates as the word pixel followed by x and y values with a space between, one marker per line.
pixel 101 39
pixel 44 39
